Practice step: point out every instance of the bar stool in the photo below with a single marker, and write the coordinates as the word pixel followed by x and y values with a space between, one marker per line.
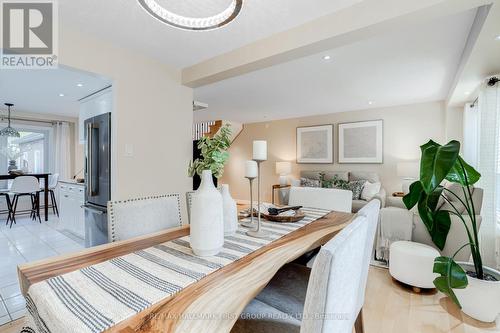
pixel 53 180
pixel 24 186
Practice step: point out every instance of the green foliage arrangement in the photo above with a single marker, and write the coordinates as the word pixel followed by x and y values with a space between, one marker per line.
pixel 214 153
pixel 437 164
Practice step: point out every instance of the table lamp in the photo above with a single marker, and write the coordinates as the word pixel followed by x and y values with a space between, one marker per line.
pixel 283 169
pixel 409 171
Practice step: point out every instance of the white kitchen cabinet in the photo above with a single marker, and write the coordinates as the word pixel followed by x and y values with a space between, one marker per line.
pixel 71 213
pixel 99 103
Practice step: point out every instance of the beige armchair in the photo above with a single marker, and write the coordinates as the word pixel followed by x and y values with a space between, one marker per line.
pixel 457 235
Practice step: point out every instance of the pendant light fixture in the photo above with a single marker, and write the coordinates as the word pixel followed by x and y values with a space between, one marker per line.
pixel 9 131
pixel 155 9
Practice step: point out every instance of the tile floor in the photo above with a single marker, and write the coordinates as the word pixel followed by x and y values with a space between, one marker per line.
pixel 27 241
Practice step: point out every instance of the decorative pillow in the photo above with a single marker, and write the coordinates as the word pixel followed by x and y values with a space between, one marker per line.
pixel 308 182
pixel 370 190
pixel 356 187
pixel 335 182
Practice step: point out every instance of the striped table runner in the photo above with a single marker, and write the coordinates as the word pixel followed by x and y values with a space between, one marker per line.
pixel 98 297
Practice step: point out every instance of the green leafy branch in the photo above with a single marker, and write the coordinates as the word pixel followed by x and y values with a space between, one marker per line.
pixel 214 153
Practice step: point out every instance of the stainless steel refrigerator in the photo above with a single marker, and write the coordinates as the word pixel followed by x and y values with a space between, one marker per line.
pixel 97 178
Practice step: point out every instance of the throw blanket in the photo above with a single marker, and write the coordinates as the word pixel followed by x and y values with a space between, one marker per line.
pixel 98 297
pixel 396 224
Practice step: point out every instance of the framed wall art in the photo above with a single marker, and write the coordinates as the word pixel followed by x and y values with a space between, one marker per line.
pixel 361 142
pixel 315 144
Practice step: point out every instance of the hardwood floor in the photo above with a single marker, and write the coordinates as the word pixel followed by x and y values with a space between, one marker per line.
pixel 393 308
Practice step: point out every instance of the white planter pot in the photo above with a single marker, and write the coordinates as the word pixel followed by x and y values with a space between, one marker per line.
pixel 207 224
pixel 481 299
pixel 230 211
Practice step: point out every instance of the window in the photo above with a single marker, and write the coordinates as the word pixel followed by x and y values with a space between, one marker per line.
pixel 30 152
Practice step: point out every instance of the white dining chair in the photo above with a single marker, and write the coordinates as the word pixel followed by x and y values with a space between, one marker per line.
pixel 5 193
pixel 53 181
pixel 324 198
pixel 142 216
pixel 24 186
pixel 326 298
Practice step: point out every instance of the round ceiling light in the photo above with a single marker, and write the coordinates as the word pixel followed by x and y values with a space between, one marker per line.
pixel 155 9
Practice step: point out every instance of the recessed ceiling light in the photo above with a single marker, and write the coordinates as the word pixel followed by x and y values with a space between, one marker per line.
pixel 79 85
pixel 327 57
pixel 370 102
pixel 497 37
pixel 467 93
pixel 61 95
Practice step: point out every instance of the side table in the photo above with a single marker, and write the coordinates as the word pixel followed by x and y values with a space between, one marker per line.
pixel 279 187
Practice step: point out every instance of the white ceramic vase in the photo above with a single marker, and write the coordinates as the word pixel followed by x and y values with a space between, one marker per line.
pixel 230 211
pixel 207 222
pixel 480 299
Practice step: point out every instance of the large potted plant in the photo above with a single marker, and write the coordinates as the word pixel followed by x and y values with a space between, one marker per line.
pixel 474 287
pixel 207 219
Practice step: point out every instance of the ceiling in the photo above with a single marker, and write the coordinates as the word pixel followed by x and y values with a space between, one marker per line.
pixel 412 65
pixel 37 91
pixel 130 26
pixel 482 63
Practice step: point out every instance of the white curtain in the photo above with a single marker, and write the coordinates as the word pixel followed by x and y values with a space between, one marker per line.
pixel 470 149
pixel 62 150
pixel 489 167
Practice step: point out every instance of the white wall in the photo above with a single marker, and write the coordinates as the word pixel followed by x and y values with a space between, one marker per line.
pixel 405 129
pixel 454 124
pixel 152 113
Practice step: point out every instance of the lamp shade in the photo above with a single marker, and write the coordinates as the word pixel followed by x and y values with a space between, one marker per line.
pixel 408 169
pixel 283 168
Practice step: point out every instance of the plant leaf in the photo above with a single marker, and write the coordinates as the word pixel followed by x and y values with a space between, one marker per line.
pixel 411 199
pixel 438 223
pixel 436 163
pixel 452 276
pixel 458 174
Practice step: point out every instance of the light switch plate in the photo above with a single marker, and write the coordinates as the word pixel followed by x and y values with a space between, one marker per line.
pixel 129 150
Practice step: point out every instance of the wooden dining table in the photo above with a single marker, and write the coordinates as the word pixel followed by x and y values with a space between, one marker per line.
pixel 220 296
pixel 39 176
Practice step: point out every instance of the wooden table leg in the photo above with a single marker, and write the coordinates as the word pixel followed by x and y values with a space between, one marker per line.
pixel 358 324
pixel 46 197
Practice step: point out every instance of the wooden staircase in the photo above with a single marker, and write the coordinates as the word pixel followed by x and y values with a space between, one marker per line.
pixel 208 129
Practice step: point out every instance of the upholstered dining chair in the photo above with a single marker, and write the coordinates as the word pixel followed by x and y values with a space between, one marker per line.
pixel 322 300
pixel 143 216
pixel 372 212
pixel 324 198
pixel 189 201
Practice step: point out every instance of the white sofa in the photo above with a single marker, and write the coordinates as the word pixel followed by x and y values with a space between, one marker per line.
pixel 372 177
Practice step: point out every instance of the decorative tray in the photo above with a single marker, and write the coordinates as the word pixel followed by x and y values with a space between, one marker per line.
pixel 299 215
pixel 288 217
